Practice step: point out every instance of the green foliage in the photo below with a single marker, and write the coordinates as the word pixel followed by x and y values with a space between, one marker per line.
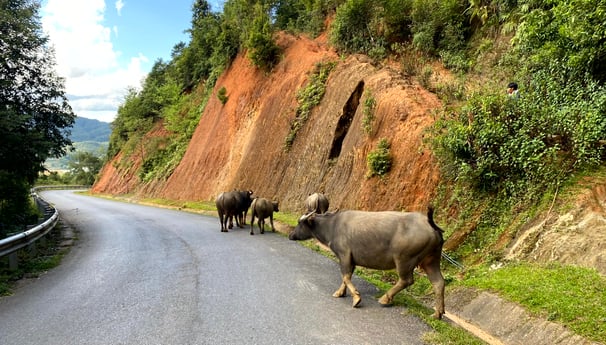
pixel 441 28
pixel 351 31
pixel 262 50
pixel 379 160
pixel 512 146
pixel 308 97
pixel 222 95
pixel 426 76
pixel 572 296
pixel 570 32
pixel 35 116
pixel 15 204
pixel 83 168
pixel 162 155
pixel 132 118
pixel 303 16
pixel 369 113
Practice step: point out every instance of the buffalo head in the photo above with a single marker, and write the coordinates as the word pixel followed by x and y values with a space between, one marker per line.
pixel 302 230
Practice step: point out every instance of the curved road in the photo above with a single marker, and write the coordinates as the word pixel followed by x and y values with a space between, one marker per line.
pixel 145 275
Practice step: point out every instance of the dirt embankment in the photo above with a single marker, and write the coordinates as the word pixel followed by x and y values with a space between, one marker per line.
pixel 241 144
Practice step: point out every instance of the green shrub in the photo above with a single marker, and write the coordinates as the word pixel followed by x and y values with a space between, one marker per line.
pixel 222 95
pixel 369 112
pixel 513 146
pixel 308 97
pixel 262 50
pixel 357 28
pixel 379 160
pixel 425 77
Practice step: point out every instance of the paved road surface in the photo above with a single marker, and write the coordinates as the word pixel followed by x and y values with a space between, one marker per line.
pixel 144 275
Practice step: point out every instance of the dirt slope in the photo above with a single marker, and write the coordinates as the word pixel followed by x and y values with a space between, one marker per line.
pixel 241 144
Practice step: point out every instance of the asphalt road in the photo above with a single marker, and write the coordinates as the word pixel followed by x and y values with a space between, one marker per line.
pixel 145 275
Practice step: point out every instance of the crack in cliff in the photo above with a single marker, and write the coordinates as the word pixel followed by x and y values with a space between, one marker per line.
pixel 347 115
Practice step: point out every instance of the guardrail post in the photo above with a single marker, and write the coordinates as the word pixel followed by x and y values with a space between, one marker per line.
pixel 13 261
pixel 32 248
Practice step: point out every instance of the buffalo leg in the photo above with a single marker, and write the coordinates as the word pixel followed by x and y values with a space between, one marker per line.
pixel 342 290
pixel 231 222
pixel 431 266
pixel 238 217
pixel 352 289
pixel 221 218
pixel 252 223
pixel 347 269
pixel 262 225
pixel 271 220
pixel 405 279
pixel 244 218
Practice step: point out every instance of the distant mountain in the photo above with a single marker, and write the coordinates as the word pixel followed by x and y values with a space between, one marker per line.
pixel 87 135
pixel 90 130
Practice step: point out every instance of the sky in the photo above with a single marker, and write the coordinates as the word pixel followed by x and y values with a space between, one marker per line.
pixel 103 47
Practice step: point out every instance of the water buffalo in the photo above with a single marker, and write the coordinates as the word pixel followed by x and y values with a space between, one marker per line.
pixel 262 208
pixel 316 202
pixel 233 204
pixel 380 240
pixel 244 199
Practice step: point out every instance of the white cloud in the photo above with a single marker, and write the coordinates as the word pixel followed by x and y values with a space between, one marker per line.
pixel 119 5
pixel 86 57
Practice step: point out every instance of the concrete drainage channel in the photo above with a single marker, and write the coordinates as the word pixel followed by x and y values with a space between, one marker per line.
pixel 500 322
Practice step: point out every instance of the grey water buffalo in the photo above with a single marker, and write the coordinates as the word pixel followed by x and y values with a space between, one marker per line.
pixel 262 208
pixel 233 204
pixel 380 240
pixel 317 202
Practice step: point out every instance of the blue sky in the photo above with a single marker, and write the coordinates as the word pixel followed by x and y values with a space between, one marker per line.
pixel 102 47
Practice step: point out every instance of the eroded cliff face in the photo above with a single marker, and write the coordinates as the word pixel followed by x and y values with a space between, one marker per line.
pixel 241 144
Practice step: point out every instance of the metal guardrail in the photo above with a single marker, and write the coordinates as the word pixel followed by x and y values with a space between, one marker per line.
pixel 13 243
pixel 26 238
pixel 453 261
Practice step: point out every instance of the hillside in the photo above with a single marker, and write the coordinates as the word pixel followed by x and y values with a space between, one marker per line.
pixel 85 129
pixel 241 145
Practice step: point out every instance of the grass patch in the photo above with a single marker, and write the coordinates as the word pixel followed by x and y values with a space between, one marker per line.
pixel 287 218
pixel 572 296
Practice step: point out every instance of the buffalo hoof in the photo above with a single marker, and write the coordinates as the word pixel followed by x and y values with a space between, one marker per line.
pixel 437 316
pixel 252 233
pixel 339 294
pixel 223 230
pixel 385 301
pixel 356 301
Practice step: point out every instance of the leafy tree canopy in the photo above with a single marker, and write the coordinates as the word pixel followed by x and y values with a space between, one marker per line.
pixel 35 116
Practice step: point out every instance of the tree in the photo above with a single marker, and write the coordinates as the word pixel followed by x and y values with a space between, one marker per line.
pixel 84 167
pixel 262 50
pixel 35 116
